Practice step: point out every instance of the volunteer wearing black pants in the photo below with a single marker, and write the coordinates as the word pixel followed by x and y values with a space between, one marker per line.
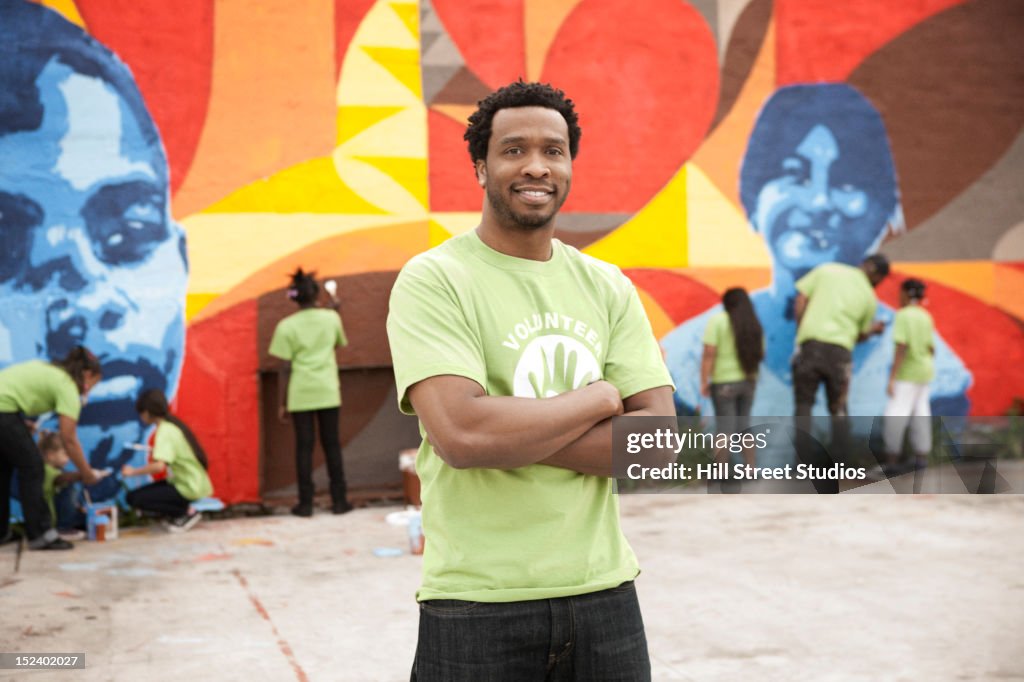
pixel 29 389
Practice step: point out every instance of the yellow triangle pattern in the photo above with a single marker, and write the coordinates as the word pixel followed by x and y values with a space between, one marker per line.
pixel 382 120
pixel 446 225
pixel 411 174
pixel 353 120
pixel 717 232
pixel 655 237
pixel 409 13
pixel 67 9
pixel 309 187
pixel 401 63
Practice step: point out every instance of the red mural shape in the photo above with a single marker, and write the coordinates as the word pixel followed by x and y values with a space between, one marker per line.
pixel 219 398
pixel 825 40
pixel 453 185
pixel 643 111
pixel 490 34
pixel 988 341
pixel 348 14
pixel 169 48
pixel 681 297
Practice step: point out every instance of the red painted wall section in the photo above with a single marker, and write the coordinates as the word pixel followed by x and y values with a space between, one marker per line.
pixel 169 48
pixel 989 342
pixel 642 123
pixel 824 40
pixel 453 185
pixel 490 35
pixel 219 399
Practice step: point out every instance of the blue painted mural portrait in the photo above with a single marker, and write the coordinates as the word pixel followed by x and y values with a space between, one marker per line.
pixel 818 184
pixel 89 253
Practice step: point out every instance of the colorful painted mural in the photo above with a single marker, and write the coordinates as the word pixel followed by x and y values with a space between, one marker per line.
pixel 726 143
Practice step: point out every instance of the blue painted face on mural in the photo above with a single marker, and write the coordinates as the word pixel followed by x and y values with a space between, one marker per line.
pixel 90 254
pixel 818 181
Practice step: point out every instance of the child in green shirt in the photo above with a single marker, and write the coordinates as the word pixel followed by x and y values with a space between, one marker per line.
pixel 177 451
pixel 909 408
pixel 59 487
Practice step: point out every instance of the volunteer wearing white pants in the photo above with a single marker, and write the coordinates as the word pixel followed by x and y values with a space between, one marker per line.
pixel 909 406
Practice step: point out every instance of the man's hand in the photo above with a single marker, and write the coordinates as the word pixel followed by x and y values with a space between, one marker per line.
pixel 877 327
pixel 282 414
pixel 890 388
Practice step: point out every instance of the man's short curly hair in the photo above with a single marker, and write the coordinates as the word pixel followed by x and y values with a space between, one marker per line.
pixel 519 94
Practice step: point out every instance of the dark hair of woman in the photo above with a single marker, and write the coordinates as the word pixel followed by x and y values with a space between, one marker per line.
pixel 79 361
pixel 154 402
pixel 746 329
pixel 913 288
pixel 303 289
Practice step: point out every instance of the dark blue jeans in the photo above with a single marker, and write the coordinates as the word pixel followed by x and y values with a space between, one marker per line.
pixel 593 637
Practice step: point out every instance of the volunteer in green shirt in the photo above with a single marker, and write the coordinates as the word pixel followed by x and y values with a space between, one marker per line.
pixel 30 389
pixel 834 309
pixel 175 448
pixel 307 340
pixel 515 350
pixel 733 350
pixel 908 411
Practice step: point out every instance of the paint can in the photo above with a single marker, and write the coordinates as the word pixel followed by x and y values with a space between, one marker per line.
pixel 416 539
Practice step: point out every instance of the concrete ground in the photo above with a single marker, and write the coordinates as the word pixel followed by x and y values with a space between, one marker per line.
pixel 734 587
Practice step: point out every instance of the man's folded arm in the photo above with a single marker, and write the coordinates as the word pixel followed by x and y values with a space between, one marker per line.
pixel 468 428
pixel 591 453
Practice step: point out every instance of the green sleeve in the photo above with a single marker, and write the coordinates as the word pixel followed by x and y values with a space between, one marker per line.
pixel 69 402
pixel 164 446
pixel 869 315
pixel 280 343
pixel 633 362
pixel 805 285
pixel 899 329
pixel 342 340
pixel 711 331
pixel 429 335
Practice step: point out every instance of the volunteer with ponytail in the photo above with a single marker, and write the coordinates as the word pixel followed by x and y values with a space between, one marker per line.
pixel 29 389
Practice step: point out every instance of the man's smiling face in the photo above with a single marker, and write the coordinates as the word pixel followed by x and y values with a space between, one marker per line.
pixel 528 171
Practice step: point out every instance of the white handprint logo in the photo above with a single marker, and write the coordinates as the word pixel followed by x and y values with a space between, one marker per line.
pixel 551 365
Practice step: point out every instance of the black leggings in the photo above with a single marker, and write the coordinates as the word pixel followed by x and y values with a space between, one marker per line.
pixel 159 497
pixel 18 452
pixel 330 442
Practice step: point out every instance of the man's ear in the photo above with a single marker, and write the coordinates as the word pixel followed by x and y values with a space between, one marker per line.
pixel 481 172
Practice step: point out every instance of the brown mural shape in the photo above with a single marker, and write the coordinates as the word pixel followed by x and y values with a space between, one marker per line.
pixel 951 91
pixel 744 44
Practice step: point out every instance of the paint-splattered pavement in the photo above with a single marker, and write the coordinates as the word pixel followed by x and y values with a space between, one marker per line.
pixel 865 587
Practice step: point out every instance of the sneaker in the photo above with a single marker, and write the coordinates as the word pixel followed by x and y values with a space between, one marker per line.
pixel 56 543
pixel 341 508
pixel 71 533
pixel 302 510
pixel 183 524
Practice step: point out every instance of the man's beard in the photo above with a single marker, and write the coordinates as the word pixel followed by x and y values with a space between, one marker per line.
pixel 529 221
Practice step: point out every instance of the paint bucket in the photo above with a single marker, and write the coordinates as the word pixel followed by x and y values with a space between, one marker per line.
pixel 101 522
pixel 416 539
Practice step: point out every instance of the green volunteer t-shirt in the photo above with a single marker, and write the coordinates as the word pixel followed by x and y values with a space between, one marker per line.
pixel 718 333
pixel 307 339
pixel 187 474
pixel 528 329
pixel 35 387
pixel 913 327
pixel 841 305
